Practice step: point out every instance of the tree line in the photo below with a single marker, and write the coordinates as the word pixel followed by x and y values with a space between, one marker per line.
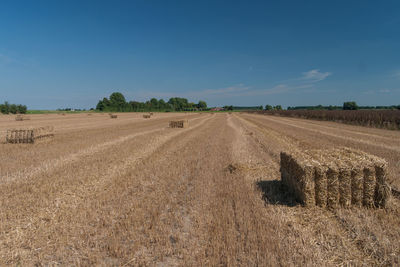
pixel 117 103
pixel 7 108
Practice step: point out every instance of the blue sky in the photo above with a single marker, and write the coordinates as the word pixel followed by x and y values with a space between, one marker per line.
pixel 72 53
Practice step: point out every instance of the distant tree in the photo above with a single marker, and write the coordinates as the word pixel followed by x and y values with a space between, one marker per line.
pixel 278 107
pixel 100 105
pixel 13 109
pixel 5 108
pixel 162 105
pixel 268 107
pixel 350 105
pixel 154 104
pixel 118 102
pixel 178 103
pixel 202 104
pixel 106 102
pixel 22 109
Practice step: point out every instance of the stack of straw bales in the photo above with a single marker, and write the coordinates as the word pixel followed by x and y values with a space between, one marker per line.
pixel 179 124
pixel 28 135
pixel 336 177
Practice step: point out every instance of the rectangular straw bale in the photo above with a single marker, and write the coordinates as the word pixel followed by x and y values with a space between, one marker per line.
pixel 146 116
pixel 113 116
pixel 345 187
pixel 329 178
pixel 21 117
pixel 382 190
pixel 321 186
pixel 19 136
pixel 357 186
pixel 26 136
pixel 333 188
pixel 179 124
pixel 369 186
pixel 299 178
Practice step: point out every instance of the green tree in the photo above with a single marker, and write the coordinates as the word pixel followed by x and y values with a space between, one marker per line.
pixel 351 105
pixel 154 104
pixel 100 105
pixel 22 109
pixel 268 107
pixel 278 107
pixel 162 105
pixel 118 102
pixel 13 109
pixel 178 103
pixel 202 104
pixel 5 108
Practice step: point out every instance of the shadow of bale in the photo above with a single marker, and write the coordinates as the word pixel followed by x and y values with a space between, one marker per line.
pixel 276 193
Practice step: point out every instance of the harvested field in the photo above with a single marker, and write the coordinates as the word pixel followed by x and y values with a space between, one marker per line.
pixel 135 192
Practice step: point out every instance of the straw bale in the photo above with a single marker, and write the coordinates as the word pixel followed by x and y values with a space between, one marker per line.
pixel 113 116
pixel 28 135
pixel 333 188
pixel 146 116
pixel 329 178
pixel 382 190
pixel 369 186
pixel 321 186
pixel 179 124
pixel 345 187
pixel 21 117
pixel 298 176
pixel 357 177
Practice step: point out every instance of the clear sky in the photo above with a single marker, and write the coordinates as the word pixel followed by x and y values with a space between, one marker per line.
pixel 68 53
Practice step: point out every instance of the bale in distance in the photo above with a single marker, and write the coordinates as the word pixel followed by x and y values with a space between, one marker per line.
pixel 21 117
pixel 179 124
pixel 28 135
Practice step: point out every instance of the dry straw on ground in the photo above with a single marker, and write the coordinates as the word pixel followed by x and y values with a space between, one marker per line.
pixel 179 124
pixel 28 135
pixel 336 177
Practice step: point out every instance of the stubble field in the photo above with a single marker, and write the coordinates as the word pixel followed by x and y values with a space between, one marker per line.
pixel 133 192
